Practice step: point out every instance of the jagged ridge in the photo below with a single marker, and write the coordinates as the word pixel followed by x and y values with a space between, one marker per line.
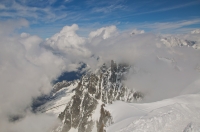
pixel 85 112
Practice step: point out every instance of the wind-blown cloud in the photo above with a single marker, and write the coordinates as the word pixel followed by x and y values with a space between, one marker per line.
pixel 169 8
pixel 105 32
pixel 182 26
pixel 171 25
pixel 109 8
pixel 33 11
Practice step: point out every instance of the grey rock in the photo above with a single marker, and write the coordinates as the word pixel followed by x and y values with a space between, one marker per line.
pixel 105 86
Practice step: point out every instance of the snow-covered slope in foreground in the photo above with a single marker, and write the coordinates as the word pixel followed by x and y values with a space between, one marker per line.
pixel 180 114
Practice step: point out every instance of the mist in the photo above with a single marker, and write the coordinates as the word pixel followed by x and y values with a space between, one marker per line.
pixel 158 70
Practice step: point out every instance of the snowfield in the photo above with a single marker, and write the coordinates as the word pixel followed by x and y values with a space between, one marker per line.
pixel 59 101
pixel 179 114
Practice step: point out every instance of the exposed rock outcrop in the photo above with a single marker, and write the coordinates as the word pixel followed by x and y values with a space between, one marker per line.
pixel 85 111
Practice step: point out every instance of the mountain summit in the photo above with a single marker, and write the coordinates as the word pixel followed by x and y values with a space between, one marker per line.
pixel 85 111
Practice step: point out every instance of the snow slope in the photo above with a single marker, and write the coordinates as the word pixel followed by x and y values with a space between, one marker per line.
pixel 59 100
pixel 171 115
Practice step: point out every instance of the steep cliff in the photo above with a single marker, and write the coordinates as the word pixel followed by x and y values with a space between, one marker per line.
pixel 85 111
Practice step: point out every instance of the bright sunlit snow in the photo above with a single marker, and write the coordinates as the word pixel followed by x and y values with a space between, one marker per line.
pixel 168 115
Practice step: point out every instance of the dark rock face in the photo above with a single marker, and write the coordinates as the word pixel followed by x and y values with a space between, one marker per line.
pixel 190 43
pixel 78 112
pixel 105 118
pixel 91 95
pixel 114 70
pixel 60 85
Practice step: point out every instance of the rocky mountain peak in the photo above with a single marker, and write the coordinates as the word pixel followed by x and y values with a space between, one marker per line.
pixel 85 111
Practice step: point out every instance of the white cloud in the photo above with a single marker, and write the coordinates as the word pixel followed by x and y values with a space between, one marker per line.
pixel 26 71
pixel 174 25
pixel 166 8
pixel 104 32
pixel 158 71
pixel 68 0
pixel 24 35
pixel 67 42
pixel 21 9
pixel 7 27
pixel 168 27
pixel 196 31
pixel 135 31
pixel 109 8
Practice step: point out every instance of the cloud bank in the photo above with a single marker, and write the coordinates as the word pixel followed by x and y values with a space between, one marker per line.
pixel 28 65
pixel 159 70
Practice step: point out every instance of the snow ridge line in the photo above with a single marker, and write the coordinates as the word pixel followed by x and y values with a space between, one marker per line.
pixel 54 107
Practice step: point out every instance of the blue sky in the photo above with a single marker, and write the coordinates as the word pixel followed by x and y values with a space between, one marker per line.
pixel 46 17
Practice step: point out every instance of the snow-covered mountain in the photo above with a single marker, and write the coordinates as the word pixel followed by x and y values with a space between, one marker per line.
pixel 172 41
pixel 102 101
pixel 80 104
